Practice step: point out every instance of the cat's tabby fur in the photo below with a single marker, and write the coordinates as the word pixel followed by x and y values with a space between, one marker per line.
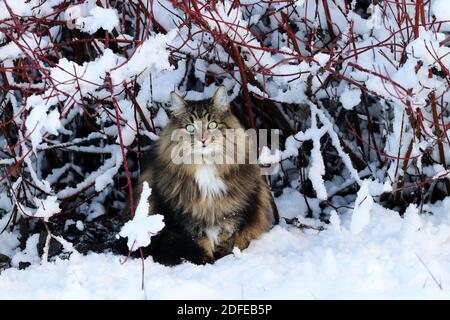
pixel 208 208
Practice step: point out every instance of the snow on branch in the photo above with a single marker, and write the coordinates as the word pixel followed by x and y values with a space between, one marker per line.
pixel 144 224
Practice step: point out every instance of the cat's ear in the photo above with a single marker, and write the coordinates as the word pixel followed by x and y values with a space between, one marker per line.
pixel 177 104
pixel 220 99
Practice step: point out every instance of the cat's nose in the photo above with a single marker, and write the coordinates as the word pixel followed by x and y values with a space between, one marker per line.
pixel 205 142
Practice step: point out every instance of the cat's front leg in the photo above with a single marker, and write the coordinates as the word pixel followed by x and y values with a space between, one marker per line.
pixel 208 249
pixel 221 246
pixel 253 229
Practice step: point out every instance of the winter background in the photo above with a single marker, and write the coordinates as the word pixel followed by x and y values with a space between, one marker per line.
pixel 358 88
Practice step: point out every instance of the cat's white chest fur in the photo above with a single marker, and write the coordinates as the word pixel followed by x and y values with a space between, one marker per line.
pixel 209 182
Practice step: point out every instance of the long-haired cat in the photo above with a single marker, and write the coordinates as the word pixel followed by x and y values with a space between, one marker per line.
pixel 208 207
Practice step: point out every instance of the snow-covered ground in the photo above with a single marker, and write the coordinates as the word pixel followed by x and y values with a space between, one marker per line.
pixel 392 257
pixel 384 63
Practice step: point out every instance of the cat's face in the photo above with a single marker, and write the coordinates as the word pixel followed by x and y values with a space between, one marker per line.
pixel 202 126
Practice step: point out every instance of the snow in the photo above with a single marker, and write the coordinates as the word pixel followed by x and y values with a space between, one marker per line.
pixel 365 251
pixel 317 170
pixel 267 157
pixel 363 207
pixel 335 221
pixel 412 221
pixel 441 10
pixel 388 259
pixel 79 225
pixel 350 98
pixel 95 210
pixel 322 59
pixel 375 20
pixel 161 119
pixel 102 177
pixel 39 122
pixel 294 203
pixel 65 76
pixel 98 17
pixel 22 46
pixel 8 242
pixel 30 253
pixel 88 17
pixel 47 208
pixel 151 55
pixel 364 203
pixel 143 226
pixel 66 73
pixel 37 8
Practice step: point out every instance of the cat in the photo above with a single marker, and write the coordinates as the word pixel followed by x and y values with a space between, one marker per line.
pixel 209 208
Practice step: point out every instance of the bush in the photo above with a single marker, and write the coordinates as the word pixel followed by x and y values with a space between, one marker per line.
pixel 358 88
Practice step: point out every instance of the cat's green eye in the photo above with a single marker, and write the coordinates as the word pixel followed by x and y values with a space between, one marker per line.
pixel 190 128
pixel 212 125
